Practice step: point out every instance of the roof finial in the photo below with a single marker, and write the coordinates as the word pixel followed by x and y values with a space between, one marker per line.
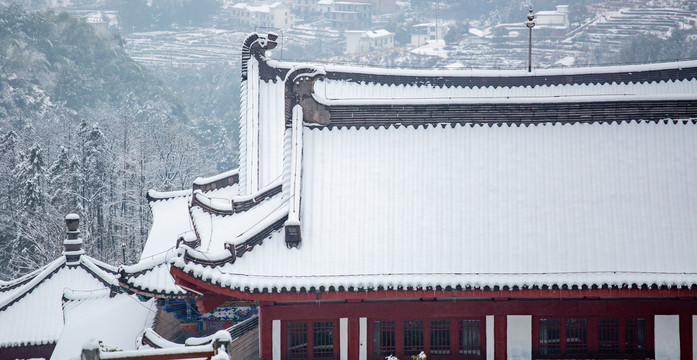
pixel 73 243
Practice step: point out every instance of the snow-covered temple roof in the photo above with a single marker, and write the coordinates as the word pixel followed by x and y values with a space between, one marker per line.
pixel 151 278
pixel 31 306
pixel 117 320
pixel 369 179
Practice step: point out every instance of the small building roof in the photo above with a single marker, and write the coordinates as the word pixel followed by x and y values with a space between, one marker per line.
pixel 33 303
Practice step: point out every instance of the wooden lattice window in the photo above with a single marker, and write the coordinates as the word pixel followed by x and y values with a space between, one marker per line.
pixel 440 337
pixel 608 336
pixel 550 340
pixel 470 335
pixel 576 336
pixel 297 340
pixel 383 338
pixel 413 337
pixel 323 339
pixel 310 340
pixel 635 336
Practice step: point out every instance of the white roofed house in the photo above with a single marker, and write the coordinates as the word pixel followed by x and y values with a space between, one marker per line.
pixel 350 14
pixel 466 214
pixel 427 32
pixel 556 19
pixel 362 41
pixel 276 15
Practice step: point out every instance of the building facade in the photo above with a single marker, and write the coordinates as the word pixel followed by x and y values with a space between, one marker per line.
pixel 276 15
pixel 427 32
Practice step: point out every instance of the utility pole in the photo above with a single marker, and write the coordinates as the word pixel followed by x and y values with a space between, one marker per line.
pixel 530 24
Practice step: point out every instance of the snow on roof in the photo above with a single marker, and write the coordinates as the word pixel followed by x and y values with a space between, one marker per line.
pixel 432 48
pixel 482 206
pixel 217 230
pixel 170 220
pixel 503 73
pixel 573 200
pixel 476 32
pixel 214 178
pixel 114 321
pixel 151 277
pixel 455 65
pixel 34 307
pixel 566 61
pixel 333 92
pixel 155 195
pixel 378 33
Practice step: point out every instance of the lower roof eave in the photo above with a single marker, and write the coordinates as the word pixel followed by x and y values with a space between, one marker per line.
pixel 200 286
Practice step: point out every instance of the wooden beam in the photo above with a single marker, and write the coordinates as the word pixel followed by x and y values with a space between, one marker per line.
pixel 190 282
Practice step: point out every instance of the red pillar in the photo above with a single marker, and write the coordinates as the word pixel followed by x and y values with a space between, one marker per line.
pixel 265 333
pixel 354 339
pixel 685 336
pixel 500 338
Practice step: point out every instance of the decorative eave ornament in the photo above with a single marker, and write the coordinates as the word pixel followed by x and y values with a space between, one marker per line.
pixel 73 243
pixel 293 235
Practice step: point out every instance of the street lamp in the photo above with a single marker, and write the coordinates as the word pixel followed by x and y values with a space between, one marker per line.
pixel 530 24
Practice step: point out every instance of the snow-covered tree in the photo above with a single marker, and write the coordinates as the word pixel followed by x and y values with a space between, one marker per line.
pixel 30 173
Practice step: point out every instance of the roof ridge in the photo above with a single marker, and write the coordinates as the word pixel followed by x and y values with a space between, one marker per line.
pixel 155 195
pixel 26 288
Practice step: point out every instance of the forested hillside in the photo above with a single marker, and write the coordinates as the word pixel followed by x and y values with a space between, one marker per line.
pixel 85 129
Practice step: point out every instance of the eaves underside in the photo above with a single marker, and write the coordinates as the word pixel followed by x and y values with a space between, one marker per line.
pixel 332 293
pixel 511 114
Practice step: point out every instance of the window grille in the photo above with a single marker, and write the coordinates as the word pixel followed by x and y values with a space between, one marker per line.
pixel 323 339
pixel 440 337
pixel 413 337
pixel 608 336
pixel 470 337
pixel 297 340
pixel 383 338
pixel 549 336
pixel 576 336
pixel 635 336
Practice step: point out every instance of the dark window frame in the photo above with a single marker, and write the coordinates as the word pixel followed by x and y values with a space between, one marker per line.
pixel 594 328
pixel 311 351
pixel 453 331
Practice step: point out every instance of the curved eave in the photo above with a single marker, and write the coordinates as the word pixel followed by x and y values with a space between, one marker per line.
pixel 154 195
pixel 188 281
pixel 222 180
pixel 129 288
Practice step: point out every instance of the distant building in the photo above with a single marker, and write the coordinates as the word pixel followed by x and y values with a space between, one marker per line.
pixel 103 20
pixel 323 6
pixel 302 7
pixel 346 14
pixel 384 6
pixel 358 41
pixel 422 33
pixel 276 15
pixel 553 19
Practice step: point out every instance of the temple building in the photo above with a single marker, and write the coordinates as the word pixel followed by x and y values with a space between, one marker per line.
pixel 466 214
